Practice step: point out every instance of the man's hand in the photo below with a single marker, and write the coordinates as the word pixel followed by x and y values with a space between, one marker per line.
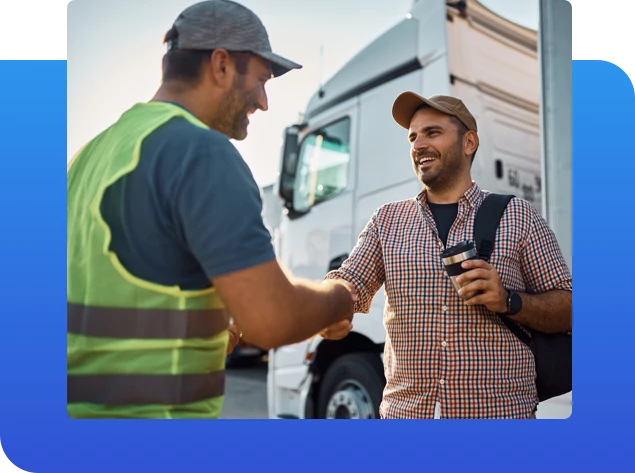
pixel 337 331
pixel 351 290
pixel 485 284
pixel 234 337
pixel 341 328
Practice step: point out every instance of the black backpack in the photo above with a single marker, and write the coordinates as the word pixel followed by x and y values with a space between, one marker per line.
pixel 552 352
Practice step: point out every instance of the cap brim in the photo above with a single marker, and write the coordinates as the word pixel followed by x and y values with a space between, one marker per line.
pixel 405 105
pixel 279 65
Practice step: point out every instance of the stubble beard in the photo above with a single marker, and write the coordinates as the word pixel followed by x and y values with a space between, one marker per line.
pixel 234 108
pixel 446 173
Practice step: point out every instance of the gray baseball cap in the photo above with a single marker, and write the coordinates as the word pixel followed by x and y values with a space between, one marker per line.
pixel 223 24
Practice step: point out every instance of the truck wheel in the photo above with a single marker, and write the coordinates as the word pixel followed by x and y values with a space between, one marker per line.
pixel 352 388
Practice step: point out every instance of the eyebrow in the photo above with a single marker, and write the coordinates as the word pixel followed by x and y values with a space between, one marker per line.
pixel 426 130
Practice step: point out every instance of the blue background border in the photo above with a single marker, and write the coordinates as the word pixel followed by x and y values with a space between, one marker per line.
pixel 37 435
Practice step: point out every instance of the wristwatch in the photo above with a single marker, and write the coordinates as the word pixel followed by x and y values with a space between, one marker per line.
pixel 514 303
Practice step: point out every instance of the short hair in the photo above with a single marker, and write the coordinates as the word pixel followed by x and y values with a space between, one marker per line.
pixel 186 64
pixel 460 126
pixel 462 129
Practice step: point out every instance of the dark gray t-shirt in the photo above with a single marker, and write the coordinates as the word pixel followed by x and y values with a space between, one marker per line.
pixel 190 211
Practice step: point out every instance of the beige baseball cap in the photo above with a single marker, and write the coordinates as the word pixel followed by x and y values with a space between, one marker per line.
pixel 405 105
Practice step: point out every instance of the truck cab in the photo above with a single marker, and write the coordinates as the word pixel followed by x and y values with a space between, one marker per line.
pixel 347 157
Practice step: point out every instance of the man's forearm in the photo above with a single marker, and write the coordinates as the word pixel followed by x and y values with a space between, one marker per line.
pixel 549 312
pixel 315 306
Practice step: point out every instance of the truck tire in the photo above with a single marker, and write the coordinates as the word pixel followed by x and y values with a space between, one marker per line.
pixel 352 388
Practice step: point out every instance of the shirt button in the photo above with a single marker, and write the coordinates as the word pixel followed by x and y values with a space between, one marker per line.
pixel 445 308
pixel 441 382
pixel 444 344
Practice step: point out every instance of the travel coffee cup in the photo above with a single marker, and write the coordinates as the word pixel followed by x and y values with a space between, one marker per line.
pixel 452 259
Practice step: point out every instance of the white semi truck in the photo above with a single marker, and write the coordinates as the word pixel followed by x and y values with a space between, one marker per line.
pixel 349 157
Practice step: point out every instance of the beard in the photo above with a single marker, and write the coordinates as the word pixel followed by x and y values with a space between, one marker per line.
pixel 236 104
pixel 445 169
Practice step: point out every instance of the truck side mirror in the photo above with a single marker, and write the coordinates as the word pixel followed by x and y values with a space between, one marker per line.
pixel 289 165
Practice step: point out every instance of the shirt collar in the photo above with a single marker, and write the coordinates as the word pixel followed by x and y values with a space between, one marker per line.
pixel 471 196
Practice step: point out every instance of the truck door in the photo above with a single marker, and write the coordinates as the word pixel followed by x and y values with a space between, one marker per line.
pixel 318 230
pixel 316 235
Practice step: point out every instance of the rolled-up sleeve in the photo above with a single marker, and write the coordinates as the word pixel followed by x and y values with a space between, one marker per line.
pixel 364 268
pixel 544 268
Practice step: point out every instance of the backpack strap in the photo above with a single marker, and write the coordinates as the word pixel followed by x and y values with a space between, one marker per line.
pixel 486 224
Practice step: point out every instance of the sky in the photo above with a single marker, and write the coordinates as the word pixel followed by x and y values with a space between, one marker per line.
pixel 115 49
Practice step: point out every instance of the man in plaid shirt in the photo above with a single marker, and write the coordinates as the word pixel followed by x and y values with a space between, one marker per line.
pixel 447 356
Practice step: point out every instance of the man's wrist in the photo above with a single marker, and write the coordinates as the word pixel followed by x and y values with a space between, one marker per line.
pixel 513 303
pixel 340 294
pixel 505 303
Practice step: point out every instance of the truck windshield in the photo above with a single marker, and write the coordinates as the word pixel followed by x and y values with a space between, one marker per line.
pixel 323 165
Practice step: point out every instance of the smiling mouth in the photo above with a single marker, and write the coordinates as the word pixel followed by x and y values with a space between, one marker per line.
pixel 425 161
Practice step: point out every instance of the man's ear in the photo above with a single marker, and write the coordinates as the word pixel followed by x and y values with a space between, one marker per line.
pixel 470 143
pixel 221 68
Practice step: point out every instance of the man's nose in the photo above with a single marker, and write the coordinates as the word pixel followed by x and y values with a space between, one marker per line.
pixel 263 102
pixel 420 143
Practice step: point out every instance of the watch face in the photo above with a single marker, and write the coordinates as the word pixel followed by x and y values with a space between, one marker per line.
pixel 515 303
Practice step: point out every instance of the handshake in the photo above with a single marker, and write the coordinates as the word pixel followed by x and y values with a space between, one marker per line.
pixel 323 308
pixel 341 328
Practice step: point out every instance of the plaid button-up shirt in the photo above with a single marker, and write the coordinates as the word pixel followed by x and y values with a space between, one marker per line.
pixel 439 352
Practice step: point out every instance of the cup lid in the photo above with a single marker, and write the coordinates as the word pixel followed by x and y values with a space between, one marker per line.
pixel 458 249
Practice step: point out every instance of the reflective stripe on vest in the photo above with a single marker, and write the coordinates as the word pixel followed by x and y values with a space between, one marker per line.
pixel 112 322
pixel 120 390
